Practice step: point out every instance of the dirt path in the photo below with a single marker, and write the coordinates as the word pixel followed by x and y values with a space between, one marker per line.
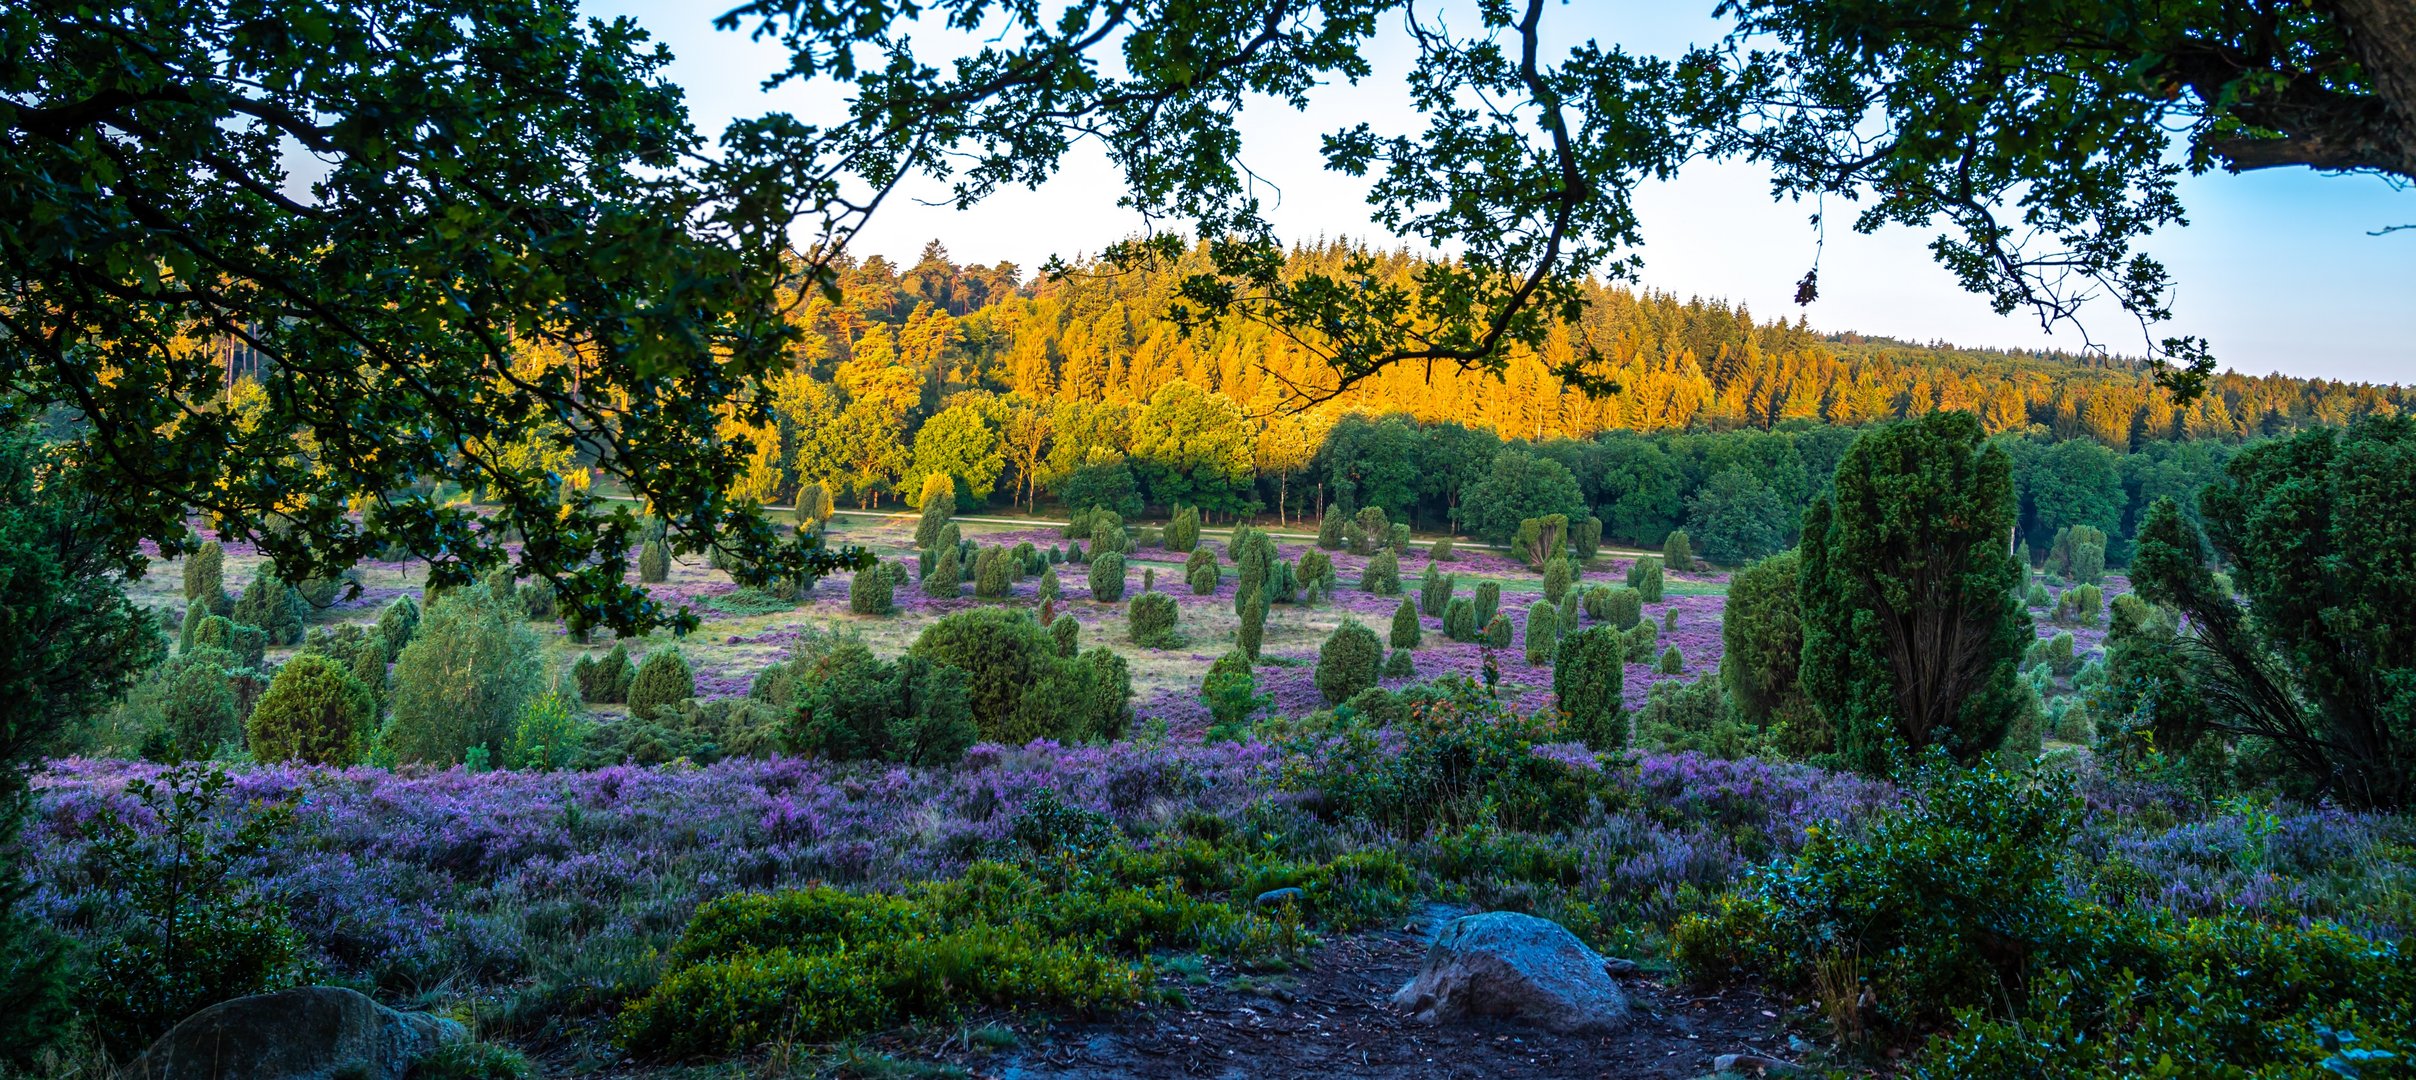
pixel 1334 1019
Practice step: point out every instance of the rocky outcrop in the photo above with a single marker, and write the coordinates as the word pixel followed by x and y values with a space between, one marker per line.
pixel 307 1033
pixel 1517 967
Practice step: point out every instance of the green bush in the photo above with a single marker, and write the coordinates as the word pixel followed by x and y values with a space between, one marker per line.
pixel 247 644
pixel 1151 618
pixel 1202 571
pixel 1066 635
pixel 552 734
pixel 1253 630
pixel 1347 662
pixel 1539 540
pixel 272 605
pixel 1329 531
pixel 473 1059
pixel 1644 576
pixel 1406 631
pixel 854 706
pixel 205 579
pixel 1695 717
pixel 994 573
pixel 1108 537
pixel 654 562
pixel 1457 758
pixel 1316 575
pixel 1642 639
pixel 396 624
pixel 1672 662
pixel 1543 633
pixel 1283 583
pixel 1441 551
pixel 1382 575
pixel 1459 619
pixel 314 712
pixel 662 682
pixel 1434 590
pixel 1677 552
pixel 463 680
pixel 872 591
pixel 1585 537
pixel 606 681
pixel 2082 604
pixel 1589 673
pixel 2038 597
pixel 937 513
pixel 2078 554
pixel 1230 690
pixel 1488 601
pixel 1498 632
pixel 1017 684
pixel 1050 590
pixel 1368 530
pixel 1183 529
pixel 946 577
pixel 1400 665
pixel 2058 653
pixel 1762 642
pixel 1107 578
pixel 1559 575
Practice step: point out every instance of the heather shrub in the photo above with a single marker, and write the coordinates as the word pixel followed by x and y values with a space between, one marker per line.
pixel 1672 662
pixel 183 927
pixel 1202 571
pixel 314 712
pixel 1441 551
pixel 993 573
pixel 1642 639
pixel 1400 665
pixel 1382 575
pixel 1677 552
pixel 272 605
pixel 551 735
pixel 654 562
pixel 1498 632
pixel 1589 673
pixel 1405 630
pixel 1183 529
pixel 463 680
pixel 1151 617
pixel 872 591
pixel 205 579
pixel 1329 532
pixel 1644 576
pixel 1623 607
pixel 1253 630
pixel 853 706
pixel 946 576
pixel 1018 686
pixel 663 681
pixel 1066 635
pixel 606 681
pixel 1488 601
pixel 1347 662
pixel 1459 619
pixel 1543 633
pixel 1107 578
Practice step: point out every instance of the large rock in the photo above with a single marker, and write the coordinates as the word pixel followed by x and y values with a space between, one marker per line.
pixel 308 1033
pixel 1517 967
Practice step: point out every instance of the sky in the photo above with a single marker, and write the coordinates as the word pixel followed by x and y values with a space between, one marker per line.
pixel 2278 269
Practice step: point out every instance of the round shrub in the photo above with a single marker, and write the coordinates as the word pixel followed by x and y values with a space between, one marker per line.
pixel 1347 662
pixel 1151 617
pixel 1588 674
pixel 1625 607
pixel 1107 578
pixel 1441 551
pixel 314 712
pixel 1368 530
pixel 1405 625
pixel 936 515
pixel 654 562
pixel 1488 601
pixel 1056 554
pixel 1073 553
pixel 1559 575
pixel 463 680
pixel 1677 552
pixel 1672 663
pixel 994 573
pixel 1762 637
pixel 1585 537
pixel 1049 587
pixel 1108 537
pixel 1253 630
pixel 205 578
pixel 1543 633
pixel 1202 571
pixel 1459 619
pixel 950 536
pixel 2038 597
pixel 1329 531
pixel 1183 529
pixel 1230 690
pixel 1316 575
pixel 1018 685
pixel 1383 574
pixel 606 681
pixel 1642 639
pixel 872 591
pixel 946 576
pixel 663 681
pixel 193 702
pixel 245 643
pixel 1498 632
pixel 1669 618
pixel 1283 583
pixel 1400 665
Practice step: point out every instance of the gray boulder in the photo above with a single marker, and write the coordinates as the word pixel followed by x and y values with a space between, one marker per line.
pixel 1516 967
pixel 307 1033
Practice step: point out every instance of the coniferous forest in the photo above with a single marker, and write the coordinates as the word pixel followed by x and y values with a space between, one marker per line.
pixel 496 584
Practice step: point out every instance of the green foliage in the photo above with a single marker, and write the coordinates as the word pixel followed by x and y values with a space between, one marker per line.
pixel 1559 575
pixel 1912 632
pixel 473 1059
pixel 814 507
pixel 1066 635
pixel 1762 639
pixel 1347 662
pixel 854 706
pixel 464 679
pixel 937 499
pixel 663 681
pixel 314 712
pixel 1588 675
pixel 1540 540
pixel 1018 686
pixel 551 735
pixel 2055 652
pixel 1329 531
pixel 654 562
pixel 1521 487
pixel 1050 590
pixel 1623 607
pixel 1585 537
pixel 205 579
pixel 2079 554
pixel 248 644
pixel 1106 486
pixel 2082 604
pixel 1316 575
pixel 1459 619
pixel 871 591
pixel 946 578
pixel 1458 758
pixel 1488 601
pixel 1183 529
pixel 605 681
pixel 1644 575
pixel 1405 629
pixel 1201 571
pixel 1253 630
pixel 1400 665
pixel 1641 640
pixel 1383 573
pixel 182 929
pixel 1368 530
pixel 1441 551
pixel 1283 583
pixel 1543 633
pixel 1107 578
pixel 2037 597
pixel 396 624
pixel 1672 662
pixel 1695 717
pixel 1736 518
pixel 1498 632
pixel 1434 590
pixel 994 573
pixel 701 732
pixel 272 605
pixel 1108 536
pixel 1678 552
pixel 187 708
pixel 1151 619
pixel 1230 691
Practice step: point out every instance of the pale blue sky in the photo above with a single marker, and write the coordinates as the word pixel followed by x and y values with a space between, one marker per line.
pixel 2276 269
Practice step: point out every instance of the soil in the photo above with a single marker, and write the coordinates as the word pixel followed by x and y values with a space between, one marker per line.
pixel 1333 1018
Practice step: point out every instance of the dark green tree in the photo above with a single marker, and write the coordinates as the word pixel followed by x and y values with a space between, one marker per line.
pixel 663 681
pixel 314 712
pixel 1347 662
pixel 1913 634
pixel 1762 642
pixel 1588 675
pixel 1520 485
pixel 1405 629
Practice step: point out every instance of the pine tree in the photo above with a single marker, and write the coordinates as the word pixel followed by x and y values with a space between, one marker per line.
pixel 1588 675
pixel 1405 633
pixel 1253 630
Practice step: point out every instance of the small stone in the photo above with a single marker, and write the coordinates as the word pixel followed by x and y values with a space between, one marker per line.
pixel 1518 967
pixel 1755 1063
pixel 1620 967
pixel 1272 897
